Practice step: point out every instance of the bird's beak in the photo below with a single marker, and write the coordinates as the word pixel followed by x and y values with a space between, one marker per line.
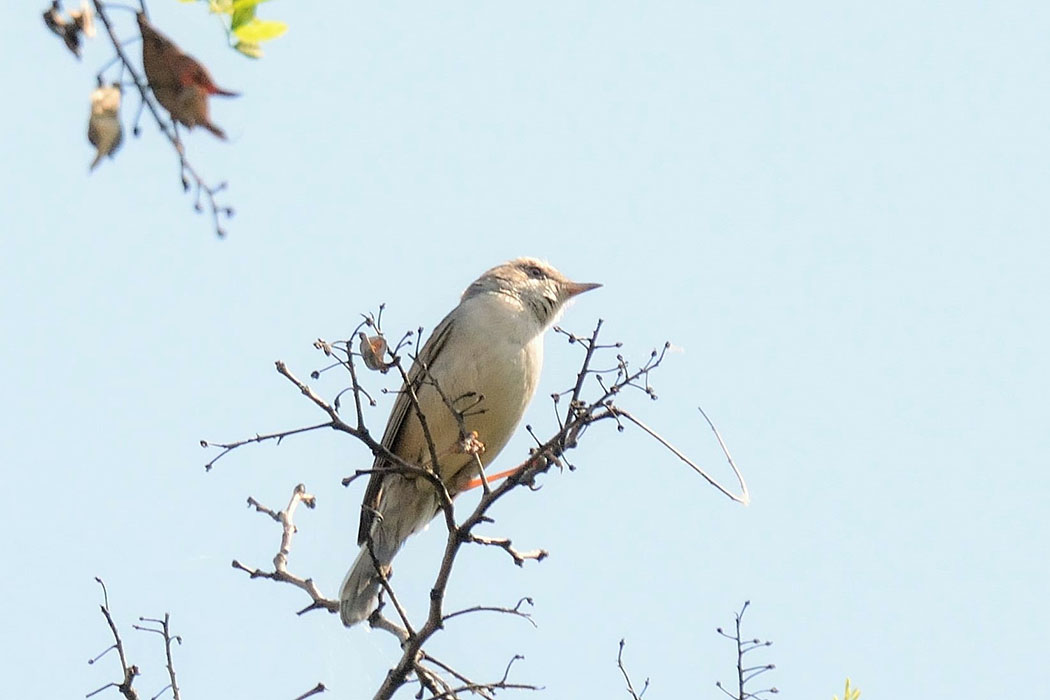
pixel 571 289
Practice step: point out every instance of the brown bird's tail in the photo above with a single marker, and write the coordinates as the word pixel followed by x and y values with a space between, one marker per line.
pixel 405 507
pixel 214 129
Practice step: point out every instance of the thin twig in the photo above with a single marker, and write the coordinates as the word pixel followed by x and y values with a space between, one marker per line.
pixel 319 688
pixel 129 671
pixel 280 560
pixel 630 686
pixel 744 497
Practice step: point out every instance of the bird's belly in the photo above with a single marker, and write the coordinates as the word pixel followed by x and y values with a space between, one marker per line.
pixel 491 388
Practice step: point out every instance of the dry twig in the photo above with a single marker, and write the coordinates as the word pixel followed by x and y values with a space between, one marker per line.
pixel 129 671
pixel 280 561
pixel 636 695
pixel 744 674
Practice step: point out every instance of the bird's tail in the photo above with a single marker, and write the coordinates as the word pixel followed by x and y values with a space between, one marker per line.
pixel 406 506
pixel 214 129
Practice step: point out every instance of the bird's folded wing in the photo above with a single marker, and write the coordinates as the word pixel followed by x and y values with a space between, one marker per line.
pixel 396 423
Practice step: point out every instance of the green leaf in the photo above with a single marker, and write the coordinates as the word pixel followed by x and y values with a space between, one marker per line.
pixel 244 4
pixel 241 17
pixel 220 7
pixel 260 30
pixel 249 49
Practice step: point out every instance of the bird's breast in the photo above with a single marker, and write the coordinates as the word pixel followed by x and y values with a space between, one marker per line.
pixel 490 375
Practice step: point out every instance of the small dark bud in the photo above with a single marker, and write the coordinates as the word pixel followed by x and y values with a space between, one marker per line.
pixel 204 443
pixel 315 374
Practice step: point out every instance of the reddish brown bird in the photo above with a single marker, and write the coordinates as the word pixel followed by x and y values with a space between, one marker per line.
pixel 180 82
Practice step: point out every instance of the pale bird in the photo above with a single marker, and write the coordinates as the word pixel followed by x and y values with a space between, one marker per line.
pixel 485 356
pixel 104 130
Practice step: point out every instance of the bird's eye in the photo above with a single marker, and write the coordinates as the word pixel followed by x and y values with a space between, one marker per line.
pixel 535 271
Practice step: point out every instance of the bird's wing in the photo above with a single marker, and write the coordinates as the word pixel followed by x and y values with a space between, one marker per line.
pixel 396 423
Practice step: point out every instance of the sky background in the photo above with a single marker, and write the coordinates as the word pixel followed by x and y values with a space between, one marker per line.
pixel 837 210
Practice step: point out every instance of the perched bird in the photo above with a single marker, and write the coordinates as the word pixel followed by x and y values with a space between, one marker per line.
pixel 485 356
pixel 104 130
pixel 180 82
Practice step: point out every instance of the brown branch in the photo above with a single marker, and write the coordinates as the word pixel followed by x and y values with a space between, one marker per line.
pixel 384 582
pixel 744 497
pixel 516 610
pixel 488 689
pixel 129 671
pixel 165 632
pixel 280 560
pixel 319 688
pixel 228 447
pixel 505 544
pixel 744 674
pixel 169 130
pixel 630 686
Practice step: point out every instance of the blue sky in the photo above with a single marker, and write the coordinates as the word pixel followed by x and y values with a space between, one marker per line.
pixel 838 211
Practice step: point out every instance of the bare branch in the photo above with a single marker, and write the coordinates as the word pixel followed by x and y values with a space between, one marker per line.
pixel 505 544
pixel 228 447
pixel 744 497
pixel 280 560
pixel 630 686
pixel 319 688
pixel 745 674
pixel 516 610
pixel 129 671
pixel 165 632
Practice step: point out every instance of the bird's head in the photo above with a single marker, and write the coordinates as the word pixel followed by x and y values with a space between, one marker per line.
pixel 535 283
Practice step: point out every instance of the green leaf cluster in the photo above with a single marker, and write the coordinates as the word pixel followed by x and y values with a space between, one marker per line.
pixel 246 30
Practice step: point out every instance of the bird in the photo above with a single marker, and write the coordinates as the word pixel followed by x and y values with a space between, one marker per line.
pixel 180 82
pixel 104 130
pixel 485 356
